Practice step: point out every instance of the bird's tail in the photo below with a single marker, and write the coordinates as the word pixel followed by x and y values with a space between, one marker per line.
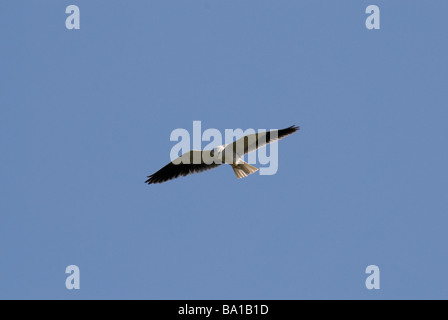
pixel 243 170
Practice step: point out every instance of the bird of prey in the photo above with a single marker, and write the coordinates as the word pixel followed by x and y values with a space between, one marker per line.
pixel 196 161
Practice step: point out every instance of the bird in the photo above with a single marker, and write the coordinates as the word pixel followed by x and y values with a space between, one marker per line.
pixel 195 161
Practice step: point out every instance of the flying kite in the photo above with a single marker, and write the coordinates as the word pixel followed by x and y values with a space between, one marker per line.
pixel 196 161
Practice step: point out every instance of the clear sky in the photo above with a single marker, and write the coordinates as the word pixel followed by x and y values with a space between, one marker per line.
pixel 86 115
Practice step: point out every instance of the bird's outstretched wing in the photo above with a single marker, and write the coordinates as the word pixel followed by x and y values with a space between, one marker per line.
pixel 252 142
pixel 189 163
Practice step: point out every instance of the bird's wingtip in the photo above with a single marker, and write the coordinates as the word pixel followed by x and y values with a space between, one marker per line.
pixel 149 181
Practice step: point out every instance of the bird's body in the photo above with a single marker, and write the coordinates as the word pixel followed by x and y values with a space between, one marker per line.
pixel 195 161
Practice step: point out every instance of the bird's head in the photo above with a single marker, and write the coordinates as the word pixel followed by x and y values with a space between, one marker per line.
pixel 217 151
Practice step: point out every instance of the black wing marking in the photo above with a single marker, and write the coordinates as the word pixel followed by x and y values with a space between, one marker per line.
pixel 173 171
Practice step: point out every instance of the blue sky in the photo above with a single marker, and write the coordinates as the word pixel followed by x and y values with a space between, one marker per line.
pixel 86 115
